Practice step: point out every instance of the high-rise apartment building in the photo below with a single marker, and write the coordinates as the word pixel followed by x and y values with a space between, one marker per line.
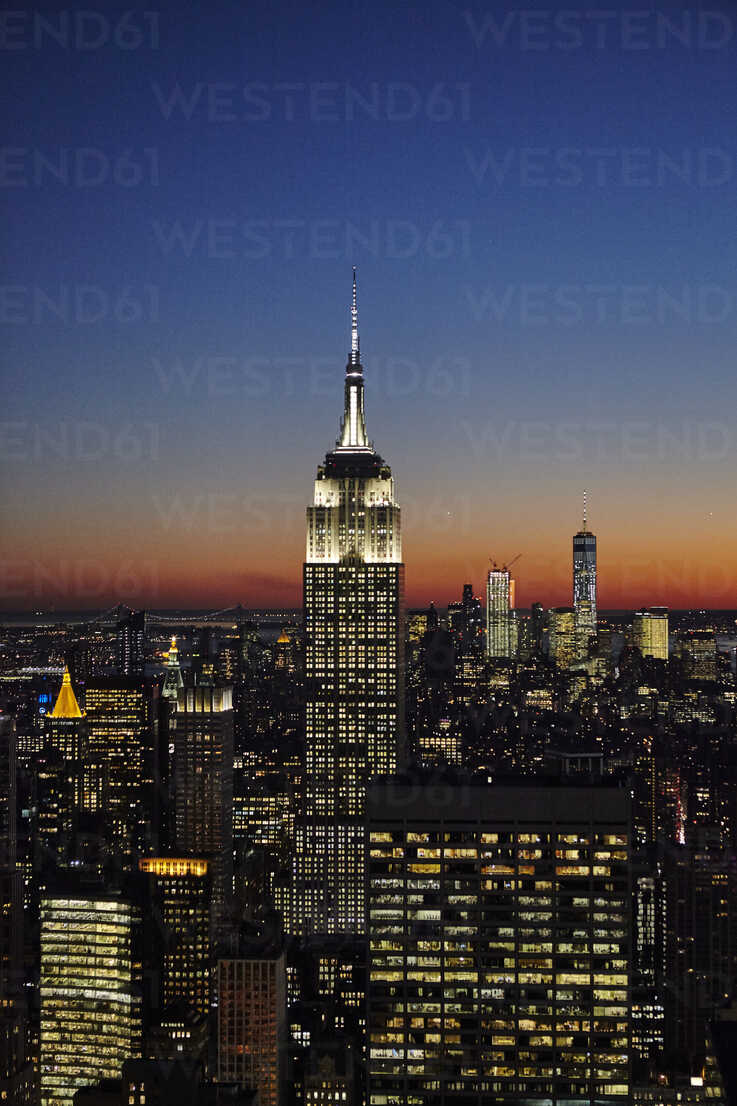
pixel 499 943
pixel 90 1015
pixel 353 648
pixel 584 580
pixel 499 633
pixel 650 632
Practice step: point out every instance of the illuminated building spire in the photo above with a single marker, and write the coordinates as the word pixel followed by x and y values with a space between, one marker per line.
pixel 355 345
pixel 173 680
pixel 584 511
pixel 353 429
pixel 66 705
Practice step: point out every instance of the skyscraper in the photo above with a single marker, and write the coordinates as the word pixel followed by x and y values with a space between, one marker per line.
pixel 122 713
pixel 563 639
pixel 354 640
pixel 499 943
pixel 64 780
pixel 498 613
pixel 202 728
pixel 173 680
pixel 131 644
pixel 584 581
pixel 181 891
pixel 89 1013
pixel 650 632
pixel 252 1024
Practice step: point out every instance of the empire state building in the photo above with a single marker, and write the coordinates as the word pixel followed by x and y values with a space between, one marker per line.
pixel 354 645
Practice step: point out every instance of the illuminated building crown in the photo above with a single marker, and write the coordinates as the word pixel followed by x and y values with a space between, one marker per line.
pixel 66 705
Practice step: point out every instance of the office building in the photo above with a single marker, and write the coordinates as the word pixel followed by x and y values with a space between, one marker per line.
pixel 123 715
pixel 650 632
pixel 563 636
pixel 90 1015
pixel 584 579
pixel 201 728
pixel 499 943
pixel 173 680
pixel 181 896
pixel 252 1025
pixel 131 644
pixel 499 635
pixel 699 650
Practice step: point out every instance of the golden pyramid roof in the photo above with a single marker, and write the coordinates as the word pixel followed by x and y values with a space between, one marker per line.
pixel 66 704
pixel 283 638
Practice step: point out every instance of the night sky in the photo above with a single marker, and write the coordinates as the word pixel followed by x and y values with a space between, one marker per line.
pixel 541 207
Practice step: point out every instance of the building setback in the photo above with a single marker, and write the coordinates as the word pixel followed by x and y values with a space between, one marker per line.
pixel 354 640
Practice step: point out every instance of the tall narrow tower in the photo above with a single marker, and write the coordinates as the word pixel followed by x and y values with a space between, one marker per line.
pixel 498 613
pixel 354 638
pixel 584 580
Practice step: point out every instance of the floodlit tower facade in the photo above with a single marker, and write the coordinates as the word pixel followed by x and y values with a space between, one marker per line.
pixel 498 613
pixel 584 580
pixel 354 639
pixel 65 731
pixel 173 680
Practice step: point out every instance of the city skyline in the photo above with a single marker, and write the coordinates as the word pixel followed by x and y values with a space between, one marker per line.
pixel 547 296
pixel 627 579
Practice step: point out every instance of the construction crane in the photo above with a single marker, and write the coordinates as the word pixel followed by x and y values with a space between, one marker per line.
pixel 505 567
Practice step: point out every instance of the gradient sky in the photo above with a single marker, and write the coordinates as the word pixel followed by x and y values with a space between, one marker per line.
pixel 542 212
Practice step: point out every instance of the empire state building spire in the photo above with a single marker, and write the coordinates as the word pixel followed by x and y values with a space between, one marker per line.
pixel 355 358
pixel 353 429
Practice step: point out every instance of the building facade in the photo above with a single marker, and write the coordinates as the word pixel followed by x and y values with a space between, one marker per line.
pixel 90 1016
pixel 202 729
pixel 499 944
pixel 584 580
pixel 354 642
pixel 498 614
pixel 252 1025
pixel 650 632
pixel 122 716
pixel 181 895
